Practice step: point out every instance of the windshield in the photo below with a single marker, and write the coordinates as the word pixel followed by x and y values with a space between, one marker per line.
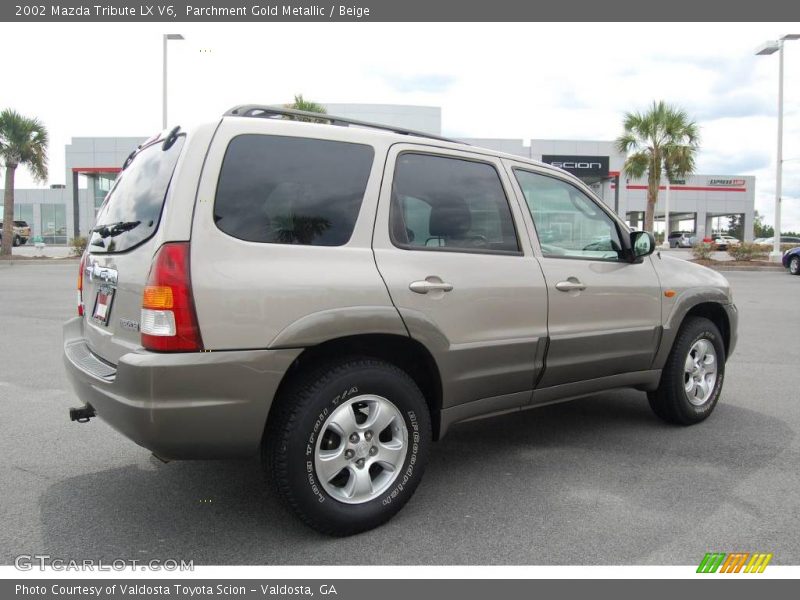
pixel 131 212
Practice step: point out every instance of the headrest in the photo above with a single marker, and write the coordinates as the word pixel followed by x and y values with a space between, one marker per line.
pixel 450 217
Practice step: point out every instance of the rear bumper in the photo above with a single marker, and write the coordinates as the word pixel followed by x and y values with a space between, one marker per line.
pixel 180 406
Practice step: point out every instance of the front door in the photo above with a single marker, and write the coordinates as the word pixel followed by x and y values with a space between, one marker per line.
pixel 605 312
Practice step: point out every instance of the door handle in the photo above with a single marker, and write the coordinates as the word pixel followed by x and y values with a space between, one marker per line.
pixel 570 285
pixel 429 285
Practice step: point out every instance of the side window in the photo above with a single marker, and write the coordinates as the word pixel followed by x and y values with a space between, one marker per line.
pixel 442 203
pixel 288 190
pixel 568 223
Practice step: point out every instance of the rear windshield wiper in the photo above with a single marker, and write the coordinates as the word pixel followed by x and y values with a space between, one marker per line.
pixel 114 229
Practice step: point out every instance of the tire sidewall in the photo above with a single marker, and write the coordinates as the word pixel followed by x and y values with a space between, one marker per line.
pixel 702 330
pixel 794 261
pixel 308 492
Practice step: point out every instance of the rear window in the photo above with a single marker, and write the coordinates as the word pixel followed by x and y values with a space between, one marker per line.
pixel 288 190
pixel 132 210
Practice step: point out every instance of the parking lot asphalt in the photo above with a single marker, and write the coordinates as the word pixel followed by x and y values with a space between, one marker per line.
pixel 594 481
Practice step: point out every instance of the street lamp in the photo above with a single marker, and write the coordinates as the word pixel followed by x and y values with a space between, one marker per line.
pixel 167 37
pixel 766 48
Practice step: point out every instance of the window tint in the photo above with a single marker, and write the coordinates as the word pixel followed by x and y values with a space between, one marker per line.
pixel 132 209
pixel 568 223
pixel 441 203
pixel 287 190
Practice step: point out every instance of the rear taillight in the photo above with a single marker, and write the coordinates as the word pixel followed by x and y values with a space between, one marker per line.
pixel 80 285
pixel 169 321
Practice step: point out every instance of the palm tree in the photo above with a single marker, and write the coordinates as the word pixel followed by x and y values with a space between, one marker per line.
pixel 23 141
pixel 301 103
pixel 663 138
pixel 678 163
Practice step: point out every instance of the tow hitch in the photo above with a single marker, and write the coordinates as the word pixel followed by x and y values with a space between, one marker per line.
pixel 82 414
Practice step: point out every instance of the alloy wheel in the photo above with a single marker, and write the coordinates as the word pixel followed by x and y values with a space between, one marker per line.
pixel 361 449
pixel 700 372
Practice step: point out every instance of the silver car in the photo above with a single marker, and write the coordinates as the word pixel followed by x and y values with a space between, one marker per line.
pixel 335 295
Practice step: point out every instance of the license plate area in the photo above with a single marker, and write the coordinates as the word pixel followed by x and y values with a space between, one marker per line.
pixel 102 305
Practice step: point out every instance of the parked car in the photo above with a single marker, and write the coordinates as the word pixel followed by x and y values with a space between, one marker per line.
pixel 679 239
pixel 785 239
pixel 723 242
pixel 22 232
pixel 338 297
pixel 791 260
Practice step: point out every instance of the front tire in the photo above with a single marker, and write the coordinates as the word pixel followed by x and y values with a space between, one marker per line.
pixel 347 444
pixel 692 378
pixel 16 241
pixel 794 265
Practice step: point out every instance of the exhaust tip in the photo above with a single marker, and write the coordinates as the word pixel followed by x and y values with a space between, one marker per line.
pixel 82 414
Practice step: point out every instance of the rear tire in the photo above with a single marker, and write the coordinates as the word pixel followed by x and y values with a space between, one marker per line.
pixel 347 443
pixel 691 381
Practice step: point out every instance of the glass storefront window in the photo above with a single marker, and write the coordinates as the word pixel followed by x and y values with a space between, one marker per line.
pixel 24 212
pixel 54 223
pixel 102 185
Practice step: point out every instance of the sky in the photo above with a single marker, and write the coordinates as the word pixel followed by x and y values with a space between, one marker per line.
pixel 504 80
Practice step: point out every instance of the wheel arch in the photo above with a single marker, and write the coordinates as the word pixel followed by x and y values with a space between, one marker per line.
pixel 711 309
pixel 715 313
pixel 400 350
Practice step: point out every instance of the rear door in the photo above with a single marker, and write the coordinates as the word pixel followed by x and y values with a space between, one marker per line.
pixel 459 272
pixel 605 312
pixel 121 247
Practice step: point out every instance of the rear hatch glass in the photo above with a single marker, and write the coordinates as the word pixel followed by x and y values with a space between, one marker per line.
pixel 120 250
pixel 131 212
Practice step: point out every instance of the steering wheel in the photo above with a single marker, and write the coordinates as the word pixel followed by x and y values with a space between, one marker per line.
pixel 479 241
pixel 549 249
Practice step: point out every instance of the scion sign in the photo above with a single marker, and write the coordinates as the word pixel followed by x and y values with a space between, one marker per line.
pixel 581 166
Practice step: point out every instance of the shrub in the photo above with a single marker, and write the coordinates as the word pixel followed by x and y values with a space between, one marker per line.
pixel 78 245
pixel 746 251
pixel 703 250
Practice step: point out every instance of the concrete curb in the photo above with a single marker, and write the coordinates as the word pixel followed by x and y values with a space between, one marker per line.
pixel 48 260
pixel 775 269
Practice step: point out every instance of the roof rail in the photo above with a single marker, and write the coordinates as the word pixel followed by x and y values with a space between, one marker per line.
pixel 271 112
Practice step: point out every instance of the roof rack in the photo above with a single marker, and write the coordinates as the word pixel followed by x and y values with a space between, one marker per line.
pixel 271 112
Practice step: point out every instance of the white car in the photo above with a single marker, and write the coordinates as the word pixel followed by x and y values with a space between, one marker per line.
pixel 723 242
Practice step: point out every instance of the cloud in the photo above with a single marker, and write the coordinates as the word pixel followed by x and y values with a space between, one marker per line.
pixel 433 83
pixel 735 105
pixel 736 164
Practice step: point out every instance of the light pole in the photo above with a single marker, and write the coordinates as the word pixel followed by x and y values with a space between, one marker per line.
pixel 665 244
pixel 770 48
pixel 167 37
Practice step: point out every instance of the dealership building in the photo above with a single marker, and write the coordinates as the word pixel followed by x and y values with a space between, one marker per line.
pixel 699 204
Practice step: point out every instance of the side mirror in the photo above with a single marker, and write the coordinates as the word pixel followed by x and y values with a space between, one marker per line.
pixel 642 244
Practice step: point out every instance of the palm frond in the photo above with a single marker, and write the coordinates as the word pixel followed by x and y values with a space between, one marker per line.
pixel 301 103
pixel 637 164
pixel 23 141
